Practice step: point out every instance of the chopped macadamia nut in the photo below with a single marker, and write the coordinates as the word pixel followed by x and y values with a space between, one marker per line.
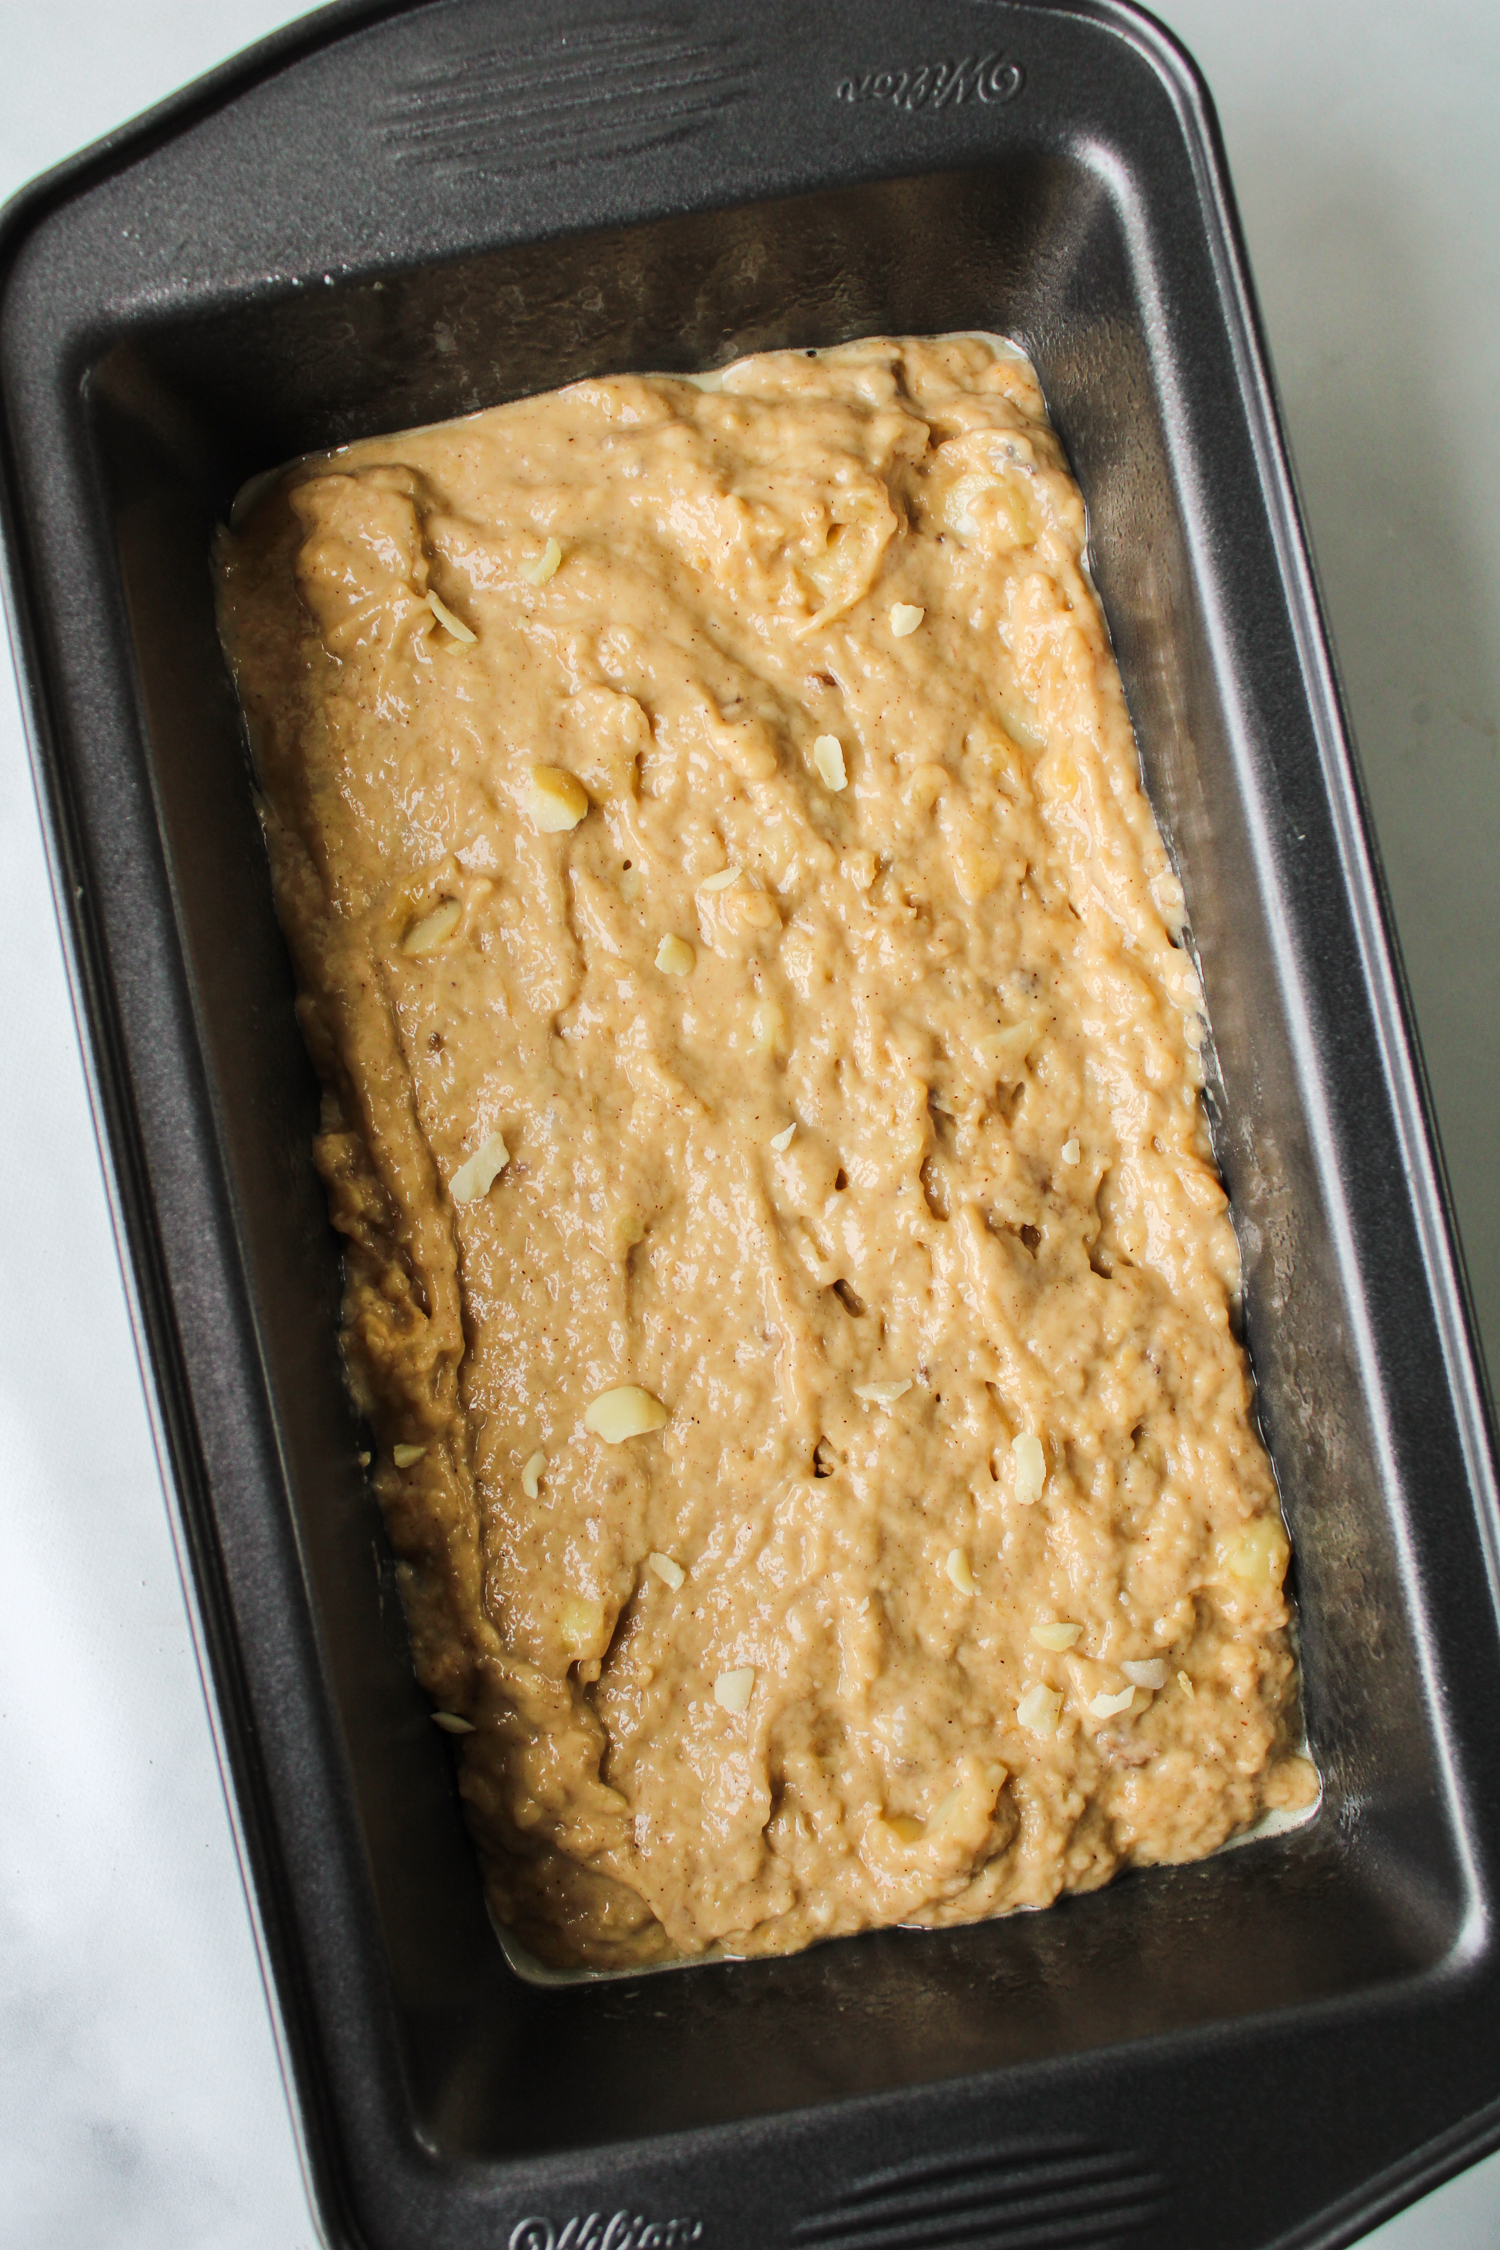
pixel 1258 1554
pixel 531 1475
pixel 1106 1706
pixel 905 618
pixel 450 623
pixel 1185 1683
pixel 1057 1636
pixel 828 762
pixel 782 1141
pixel 754 910
pixel 426 935
pixel 451 1723
pixel 624 1412
pixel 582 1622
pixel 959 1570
pixel 675 957
pixel 544 566
pixel 1039 1709
pixel 766 1026
pixel 670 1573
pixel 882 1394
pixel 1030 1468
pixel 721 881
pixel 555 801
pixel 734 1689
pixel 1151 1673
pixel 476 1177
pixel 1070 1151
pixel 407 1456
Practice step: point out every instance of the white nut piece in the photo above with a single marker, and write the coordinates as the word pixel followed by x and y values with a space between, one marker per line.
pixel 531 1475
pixel 427 934
pixel 625 1412
pixel 1070 1152
pixel 1147 1673
pixel 882 1394
pixel 1257 1555
pixel 1031 1467
pixel 1057 1636
pixel 451 1723
pixel 555 800
pixel 675 957
pixel 766 1026
pixel 670 1573
pixel 733 1690
pixel 960 1571
pixel 1186 1684
pixel 723 880
pixel 1105 1706
pixel 450 623
pixel 782 1141
pixel 905 618
pixel 828 762
pixel 407 1456
pixel 537 572
pixel 582 1623
pixel 478 1175
pixel 1039 1709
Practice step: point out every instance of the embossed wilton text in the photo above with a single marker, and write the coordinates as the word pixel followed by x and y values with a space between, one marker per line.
pixel 622 2231
pixel 934 85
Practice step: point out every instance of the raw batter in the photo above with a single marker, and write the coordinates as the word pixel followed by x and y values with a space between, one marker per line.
pixel 786 1271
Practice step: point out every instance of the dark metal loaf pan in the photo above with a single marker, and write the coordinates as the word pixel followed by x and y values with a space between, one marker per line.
pixel 392 214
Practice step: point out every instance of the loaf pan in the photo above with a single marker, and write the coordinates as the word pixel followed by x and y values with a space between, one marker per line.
pixel 389 215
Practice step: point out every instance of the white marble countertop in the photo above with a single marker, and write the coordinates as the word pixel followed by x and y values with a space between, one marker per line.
pixel 143 2104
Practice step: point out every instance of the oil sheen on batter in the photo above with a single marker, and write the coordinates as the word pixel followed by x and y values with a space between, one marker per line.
pixel 786 1273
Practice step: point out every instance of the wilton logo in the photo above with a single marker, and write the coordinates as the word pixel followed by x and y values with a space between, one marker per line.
pixel 990 78
pixel 622 2232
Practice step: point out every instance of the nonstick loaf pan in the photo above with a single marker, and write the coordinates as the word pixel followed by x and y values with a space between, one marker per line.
pixel 391 214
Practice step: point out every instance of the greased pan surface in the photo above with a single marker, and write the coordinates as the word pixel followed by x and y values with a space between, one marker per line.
pixel 387 217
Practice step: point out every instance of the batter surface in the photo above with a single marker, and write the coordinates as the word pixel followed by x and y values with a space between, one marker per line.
pixel 786 1272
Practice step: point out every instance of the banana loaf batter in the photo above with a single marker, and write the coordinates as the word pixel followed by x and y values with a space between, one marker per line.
pixel 786 1271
